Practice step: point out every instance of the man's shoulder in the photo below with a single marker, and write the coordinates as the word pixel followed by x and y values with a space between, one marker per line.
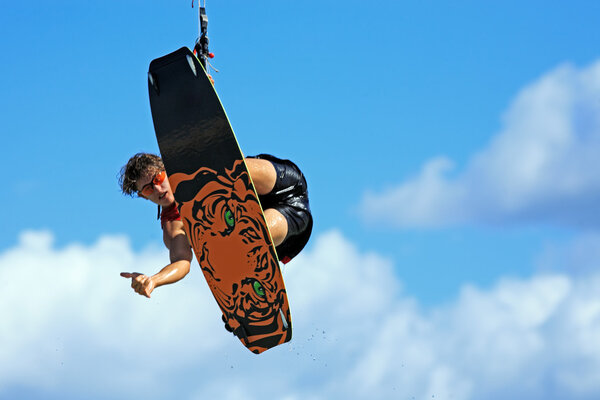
pixel 172 227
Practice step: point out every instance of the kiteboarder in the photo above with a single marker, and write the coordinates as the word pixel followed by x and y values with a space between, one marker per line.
pixel 282 191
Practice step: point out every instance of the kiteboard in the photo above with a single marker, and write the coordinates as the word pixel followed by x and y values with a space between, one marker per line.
pixel 218 203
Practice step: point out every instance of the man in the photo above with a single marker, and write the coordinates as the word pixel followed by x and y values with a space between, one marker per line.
pixel 282 190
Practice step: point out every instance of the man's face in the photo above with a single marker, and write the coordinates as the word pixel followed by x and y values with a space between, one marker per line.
pixel 161 192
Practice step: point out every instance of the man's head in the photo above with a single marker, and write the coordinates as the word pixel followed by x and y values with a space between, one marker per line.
pixel 145 172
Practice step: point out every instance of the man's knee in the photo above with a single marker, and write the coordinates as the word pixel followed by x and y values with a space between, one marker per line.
pixel 263 175
pixel 278 225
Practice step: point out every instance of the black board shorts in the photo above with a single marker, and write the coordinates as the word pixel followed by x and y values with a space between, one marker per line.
pixel 290 198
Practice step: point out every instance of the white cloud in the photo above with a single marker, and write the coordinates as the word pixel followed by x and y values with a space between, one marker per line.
pixel 542 166
pixel 64 310
pixel 71 326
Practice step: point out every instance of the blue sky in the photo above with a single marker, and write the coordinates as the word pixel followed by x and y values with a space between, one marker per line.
pixel 451 154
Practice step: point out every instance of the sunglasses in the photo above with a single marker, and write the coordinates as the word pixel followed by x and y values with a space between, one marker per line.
pixel 148 189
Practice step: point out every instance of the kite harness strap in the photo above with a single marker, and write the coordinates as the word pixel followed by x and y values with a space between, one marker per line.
pixel 201 46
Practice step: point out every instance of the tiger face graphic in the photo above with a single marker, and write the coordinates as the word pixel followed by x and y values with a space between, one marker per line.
pixel 226 228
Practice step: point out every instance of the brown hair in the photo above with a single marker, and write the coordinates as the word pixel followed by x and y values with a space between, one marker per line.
pixel 135 168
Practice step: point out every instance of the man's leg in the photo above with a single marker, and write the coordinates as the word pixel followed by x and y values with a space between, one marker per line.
pixel 264 177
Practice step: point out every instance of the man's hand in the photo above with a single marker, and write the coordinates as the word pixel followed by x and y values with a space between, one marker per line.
pixel 141 283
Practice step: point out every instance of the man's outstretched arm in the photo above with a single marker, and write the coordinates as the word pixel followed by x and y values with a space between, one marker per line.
pixel 180 254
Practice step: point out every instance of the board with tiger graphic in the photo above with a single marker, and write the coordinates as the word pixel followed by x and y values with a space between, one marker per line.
pixel 218 203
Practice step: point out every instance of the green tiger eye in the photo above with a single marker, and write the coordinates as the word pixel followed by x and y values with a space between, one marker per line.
pixel 229 218
pixel 258 289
